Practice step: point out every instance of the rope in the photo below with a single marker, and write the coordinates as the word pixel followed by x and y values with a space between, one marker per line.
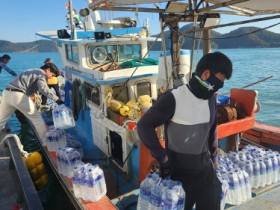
pixel 18 142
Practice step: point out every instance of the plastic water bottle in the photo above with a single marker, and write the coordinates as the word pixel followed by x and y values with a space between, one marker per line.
pixel 234 189
pixel 249 156
pixel 171 198
pixel 145 193
pixel 256 171
pixel 275 167
pixel 100 180
pixel 249 170
pixel 93 188
pixel 58 156
pixel 263 173
pixel 269 172
pixel 77 176
pixel 233 156
pixel 278 158
pixel 242 184
pixel 182 196
pixel 225 188
pixel 156 198
pixel 248 185
pixel 242 156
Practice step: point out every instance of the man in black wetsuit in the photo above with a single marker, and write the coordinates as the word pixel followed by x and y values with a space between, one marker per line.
pixel 189 116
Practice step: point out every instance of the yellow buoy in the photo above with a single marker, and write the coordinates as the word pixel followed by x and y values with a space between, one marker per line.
pixel 36 157
pixel 34 174
pixel 42 181
pixel 29 163
pixel 41 169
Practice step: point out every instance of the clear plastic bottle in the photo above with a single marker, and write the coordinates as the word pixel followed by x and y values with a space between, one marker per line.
pixel 256 171
pixel 269 171
pixel 171 198
pixel 225 188
pixel 249 170
pixel 242 185
pixel 234 188
pixel 263 173
pixel 248 185
pixel 182 196
pixel 145 193
pixel 275 167
pixel 101 177
pixel 278 158
pixel 156 198
pixel 76 180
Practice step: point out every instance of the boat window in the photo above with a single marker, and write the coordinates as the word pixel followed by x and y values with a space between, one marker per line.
pixel 120 93
pixel 128 52
pixel 102 54
pixel 106 53
pixel 144 88
pixel 72 53
pixel 92 93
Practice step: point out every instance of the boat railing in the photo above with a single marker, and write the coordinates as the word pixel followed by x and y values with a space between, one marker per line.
pixel 30 194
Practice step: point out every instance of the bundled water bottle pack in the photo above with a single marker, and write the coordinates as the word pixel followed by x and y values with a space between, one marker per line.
pixel 160 194
pixel 63 117
pixel 67 158
pixel 253 167
pixel 55 139
pixel 89 182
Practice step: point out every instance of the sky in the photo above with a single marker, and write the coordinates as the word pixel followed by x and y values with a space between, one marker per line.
pixel 21 19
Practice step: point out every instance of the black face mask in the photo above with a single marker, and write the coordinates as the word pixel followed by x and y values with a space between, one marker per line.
pixel 205 89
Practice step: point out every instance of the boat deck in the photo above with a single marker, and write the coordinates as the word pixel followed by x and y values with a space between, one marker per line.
pixel 9 195
pixel 265 198
pixel 16 187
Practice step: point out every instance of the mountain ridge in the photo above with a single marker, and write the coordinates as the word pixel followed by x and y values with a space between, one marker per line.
pixel 243 37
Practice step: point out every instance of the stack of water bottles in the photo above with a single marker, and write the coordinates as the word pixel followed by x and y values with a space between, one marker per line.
pixel 265 164
pixel 55 139
pixel 63 117
pixel 253 167
pixel 160 194
pixel 89 182
pixel 68 158
pixel 235 182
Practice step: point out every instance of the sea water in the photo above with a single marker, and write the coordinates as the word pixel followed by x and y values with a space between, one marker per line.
pixel 249 65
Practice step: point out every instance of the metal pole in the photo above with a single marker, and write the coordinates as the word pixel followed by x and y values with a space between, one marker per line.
pixel 73 28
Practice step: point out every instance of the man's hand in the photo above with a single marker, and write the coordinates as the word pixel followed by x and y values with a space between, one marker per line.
pixel 59 101
pixel 165 169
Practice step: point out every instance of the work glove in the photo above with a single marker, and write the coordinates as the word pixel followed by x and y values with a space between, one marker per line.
pixel 165 169
pixel 59 101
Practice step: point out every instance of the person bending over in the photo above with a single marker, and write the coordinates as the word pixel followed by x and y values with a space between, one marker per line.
pixel 17 94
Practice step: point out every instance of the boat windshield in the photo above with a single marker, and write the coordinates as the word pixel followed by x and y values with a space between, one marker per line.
pixel 119 53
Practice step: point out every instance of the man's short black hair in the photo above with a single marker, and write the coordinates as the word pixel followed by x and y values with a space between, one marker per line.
pixel 215 62
pixel 52 68
pixel 5 56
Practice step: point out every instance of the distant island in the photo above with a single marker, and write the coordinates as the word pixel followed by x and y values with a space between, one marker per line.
pixel 244 37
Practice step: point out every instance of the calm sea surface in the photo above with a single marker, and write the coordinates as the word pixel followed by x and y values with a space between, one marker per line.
pixel 250 65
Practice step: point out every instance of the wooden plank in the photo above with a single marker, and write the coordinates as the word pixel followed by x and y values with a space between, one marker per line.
pixel 271 136
pixel 267 129
pixel 254 132
pixel 251 137
pixel 270 141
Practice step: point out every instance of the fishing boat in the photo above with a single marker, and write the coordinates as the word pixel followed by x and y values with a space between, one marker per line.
pixel 110 82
